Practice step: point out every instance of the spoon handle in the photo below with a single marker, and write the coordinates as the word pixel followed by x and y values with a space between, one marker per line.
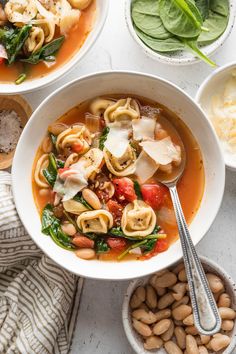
pixel 206 316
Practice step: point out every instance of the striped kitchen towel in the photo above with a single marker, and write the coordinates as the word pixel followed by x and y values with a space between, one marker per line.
pixel 38 300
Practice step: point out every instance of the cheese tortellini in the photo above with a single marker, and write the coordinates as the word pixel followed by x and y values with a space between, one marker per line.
pixel 97 221
pixel 125 109
pixel 91 163
pixel 20 11
pixel 122 166
pixel 99 105
pixel 35 40
pixel 76 134
pixel 138 219
pixel 80 4
pixel 74 207
pixel 39 178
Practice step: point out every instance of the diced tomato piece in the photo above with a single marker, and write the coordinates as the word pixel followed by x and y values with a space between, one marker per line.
pixel 160 246
pixel 124 189
pixel 2 60
pixel 153 194
pixel 82 241
pixel 115 209
pixel 116 243
pixel 102 195
pixel 77 147
pixel 61 170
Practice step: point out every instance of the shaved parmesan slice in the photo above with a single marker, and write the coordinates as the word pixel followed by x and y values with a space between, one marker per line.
pixel 43 12
pixel 143 128
pixel 74 184
pixel 145 167
pixel 161 151
pixel 230 92
pixel 117 140
pixel 3 53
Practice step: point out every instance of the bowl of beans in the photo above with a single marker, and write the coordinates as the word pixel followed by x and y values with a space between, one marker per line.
pixel 157 313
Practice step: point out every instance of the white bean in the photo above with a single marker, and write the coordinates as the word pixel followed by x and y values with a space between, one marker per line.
pixel 165 301
pixel 151 297
pixel 219 342
pixel 181 312
pixel 227 313
pixel 188 321
pixel 182 276
pixel 227 325
pixel 203 350
pixel 91 198
pixel 191 345
pixel 191 330
pixel 180 336
pixel 169 333
pixel 47 145
pixel 205 339
pixel 166 280
pixel 153 342
pixel 161 327
pixel 172 348
pixel 215 282
pixel 183 301
pixel 57 128
pixel 138 297
pixel 163 314
pixel 142 328
pixel 69 229
pixel 85 253
pixel 178 268
pixel 44 192
pixel 179 290
pixel 224 300
pixel 144 316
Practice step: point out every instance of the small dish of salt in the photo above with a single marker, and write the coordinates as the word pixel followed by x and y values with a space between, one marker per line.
pixel 14 114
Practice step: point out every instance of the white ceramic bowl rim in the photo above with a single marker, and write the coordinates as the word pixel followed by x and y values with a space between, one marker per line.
pixel 203 87
pixel 112 270
pixel 183 58
pixel 38 83
pixel 134 283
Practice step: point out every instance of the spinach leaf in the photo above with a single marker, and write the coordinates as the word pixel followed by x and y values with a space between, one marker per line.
pixel 102 246
pixel 181 18
pixel 148 7
pixel 103 137
pixel 216 25
pixel 193 47
pixel 137 189
pixel 50 173
pixel 171 44
pixel 13 40
pixel 150 25
pixel 221 7
pixel 46 53
pixel 60 163
pixel 51 226
pixel 135 245
pixel 156 229
pixel 149 245
pixel 116 231
pixel 79 198
pixel 203 7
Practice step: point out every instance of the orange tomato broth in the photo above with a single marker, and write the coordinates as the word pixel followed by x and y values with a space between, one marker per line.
pixel 190 186
pixel 74 40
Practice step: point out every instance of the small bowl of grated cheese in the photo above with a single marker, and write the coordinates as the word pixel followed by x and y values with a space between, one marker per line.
pixel 217 98
pixel 14 114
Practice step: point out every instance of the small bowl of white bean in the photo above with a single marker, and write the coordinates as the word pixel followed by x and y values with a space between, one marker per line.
pixel 157 313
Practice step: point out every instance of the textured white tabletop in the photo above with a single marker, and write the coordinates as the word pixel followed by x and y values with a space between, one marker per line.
pixel 99 328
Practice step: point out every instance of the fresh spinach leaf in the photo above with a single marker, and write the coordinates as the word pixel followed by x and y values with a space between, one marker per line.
pixel 171 44
pixel 156 229
pixel 150 25
pixel 51 226
pixel 79 198
pixel 46 53
pixel 148 247
pixel 116 231
pixel 13 41
pixel 193 47
pixel 203 7
pixel 181 18
pixel 102 246
pixel 216 25
pixel 221 7
pixel 135 245
pixel 103 137
pixel 137 189
pixel 60 163
pixel 50 173
pixel 148 7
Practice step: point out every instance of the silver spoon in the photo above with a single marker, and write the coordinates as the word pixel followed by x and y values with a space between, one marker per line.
pixel 206 315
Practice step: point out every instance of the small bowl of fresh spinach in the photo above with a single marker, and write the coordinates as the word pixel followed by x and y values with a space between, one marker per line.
pixel 180 31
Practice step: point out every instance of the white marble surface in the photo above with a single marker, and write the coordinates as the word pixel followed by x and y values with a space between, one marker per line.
pixel 99 329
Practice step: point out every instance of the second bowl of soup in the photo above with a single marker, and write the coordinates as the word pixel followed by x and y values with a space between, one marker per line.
pixel 92 153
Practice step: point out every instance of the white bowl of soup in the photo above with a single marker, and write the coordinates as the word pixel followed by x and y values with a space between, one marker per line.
pixel 84 175
pixel 40 41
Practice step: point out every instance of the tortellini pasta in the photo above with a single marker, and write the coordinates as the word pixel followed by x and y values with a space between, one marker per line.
pixel 35 40
pixel 99 105
pixel 20 11
pixel 80 4
pixel 91 163
pixel 122 166
pixel 125 109
pixel 74 207
pixel 47 26
pixel 39 178
pixel 76 134
pixel 97 221
pixel 138 219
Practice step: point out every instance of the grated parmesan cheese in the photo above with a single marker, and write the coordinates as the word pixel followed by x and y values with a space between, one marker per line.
pixel 10 130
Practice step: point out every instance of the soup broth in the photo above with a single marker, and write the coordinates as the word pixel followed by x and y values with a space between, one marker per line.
pixel 190 186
